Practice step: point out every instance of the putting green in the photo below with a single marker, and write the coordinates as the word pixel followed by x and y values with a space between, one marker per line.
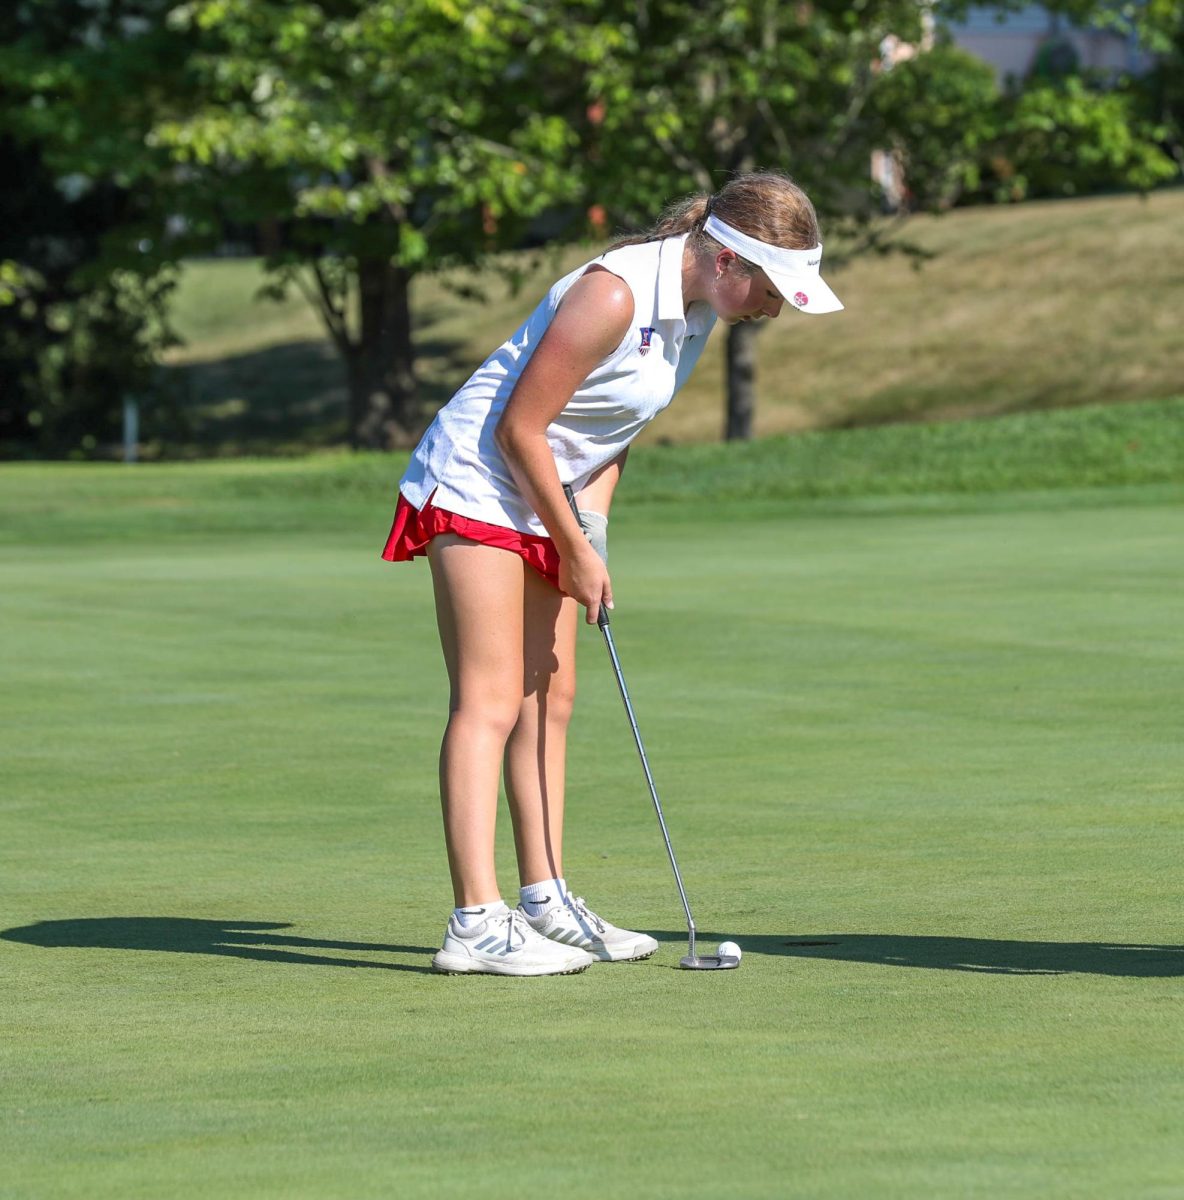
pixel 924 766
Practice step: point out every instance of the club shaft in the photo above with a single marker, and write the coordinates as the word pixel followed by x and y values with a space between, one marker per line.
pixel 603 623
pixel 649 778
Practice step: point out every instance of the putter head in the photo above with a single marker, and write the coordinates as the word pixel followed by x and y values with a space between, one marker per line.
pixel 708 962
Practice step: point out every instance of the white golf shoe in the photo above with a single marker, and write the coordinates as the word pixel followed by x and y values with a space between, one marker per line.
pixel 572 923
pixel 505 944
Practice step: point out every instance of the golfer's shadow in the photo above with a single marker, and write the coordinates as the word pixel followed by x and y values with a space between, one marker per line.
pixel 985 956
pixel 187 935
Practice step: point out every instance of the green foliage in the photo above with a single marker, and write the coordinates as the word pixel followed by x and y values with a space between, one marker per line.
pixel 1158 26
pixel 1068 138
pixel 85 272
pixel 937 112
pixel 376 140
pixel 380 139
pixel 93 348
pixel 690 93
pixel 1063 132
pixel 396 128
pixel 79 329
pixel 1071 131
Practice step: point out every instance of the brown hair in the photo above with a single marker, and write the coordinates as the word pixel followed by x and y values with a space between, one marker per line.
pixel 765 205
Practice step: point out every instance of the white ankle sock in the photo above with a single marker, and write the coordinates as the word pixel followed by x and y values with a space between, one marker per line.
pixel 474 914
pixel 538 897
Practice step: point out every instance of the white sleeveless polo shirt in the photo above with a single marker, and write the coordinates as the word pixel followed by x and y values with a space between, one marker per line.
pixel 457 457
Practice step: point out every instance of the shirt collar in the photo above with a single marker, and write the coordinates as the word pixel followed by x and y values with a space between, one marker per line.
pixel 670 302
pixel 671 306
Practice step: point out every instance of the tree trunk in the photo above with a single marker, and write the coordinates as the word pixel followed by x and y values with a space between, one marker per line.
pixel 741 381
pixel 383 391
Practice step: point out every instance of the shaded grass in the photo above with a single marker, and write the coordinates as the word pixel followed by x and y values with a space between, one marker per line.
pixel 945 741
pixel 1040 305
pixel 890 468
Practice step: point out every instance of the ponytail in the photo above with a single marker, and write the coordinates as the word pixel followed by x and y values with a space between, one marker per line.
pixel 763 204
pixel 682 216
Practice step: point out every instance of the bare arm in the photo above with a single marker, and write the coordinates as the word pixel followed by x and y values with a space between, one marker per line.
pixel 597 493
pixel 591 321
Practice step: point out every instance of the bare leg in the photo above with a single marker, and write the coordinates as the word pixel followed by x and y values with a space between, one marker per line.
pixel 479 607
pixel 537 749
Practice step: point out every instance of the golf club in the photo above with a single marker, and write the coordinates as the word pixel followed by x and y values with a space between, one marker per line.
pixel 692 961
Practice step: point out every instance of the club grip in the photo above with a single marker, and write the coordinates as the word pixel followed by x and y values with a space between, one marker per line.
pixel 602 620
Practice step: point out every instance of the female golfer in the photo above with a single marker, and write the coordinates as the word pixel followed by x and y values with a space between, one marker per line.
pixel 558 404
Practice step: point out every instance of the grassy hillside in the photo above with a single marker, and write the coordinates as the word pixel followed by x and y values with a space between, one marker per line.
pixel 1040 305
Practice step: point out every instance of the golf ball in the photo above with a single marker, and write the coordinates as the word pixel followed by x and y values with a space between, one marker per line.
pixel 729 950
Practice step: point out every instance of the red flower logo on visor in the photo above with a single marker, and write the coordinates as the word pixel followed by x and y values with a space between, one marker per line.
pixel 801 299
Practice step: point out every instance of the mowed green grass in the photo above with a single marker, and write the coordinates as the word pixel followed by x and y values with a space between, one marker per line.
pixel 923 763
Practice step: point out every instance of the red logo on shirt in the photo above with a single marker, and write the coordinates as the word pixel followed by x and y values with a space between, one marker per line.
pixel 801 299
pixel 646 337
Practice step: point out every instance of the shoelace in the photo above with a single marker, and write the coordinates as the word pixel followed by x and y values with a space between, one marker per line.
pixel 514 920
pixel 579 906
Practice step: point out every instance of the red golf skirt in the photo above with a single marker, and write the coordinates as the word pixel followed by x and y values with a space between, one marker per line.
pixel 412 531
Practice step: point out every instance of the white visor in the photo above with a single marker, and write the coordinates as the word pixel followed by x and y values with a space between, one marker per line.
pixel 794 273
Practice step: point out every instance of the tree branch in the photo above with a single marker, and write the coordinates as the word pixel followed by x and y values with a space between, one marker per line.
pixel 695 170
pixel 774 128
pixel 322 300
pixel 381 172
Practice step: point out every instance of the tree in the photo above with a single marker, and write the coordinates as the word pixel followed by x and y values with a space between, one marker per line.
pixel 694 92
pixel 388 138
pixel 1157 96
pixel 937 113
pixel 379 139
pixel 1064 132
pixel 78 333
pixel 1065 138
pixel 83 280
pixel 1161 25
pixel 376 139
pixel 1085 130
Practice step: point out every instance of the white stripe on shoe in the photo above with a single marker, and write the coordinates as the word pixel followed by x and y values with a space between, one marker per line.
pixel 590 932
